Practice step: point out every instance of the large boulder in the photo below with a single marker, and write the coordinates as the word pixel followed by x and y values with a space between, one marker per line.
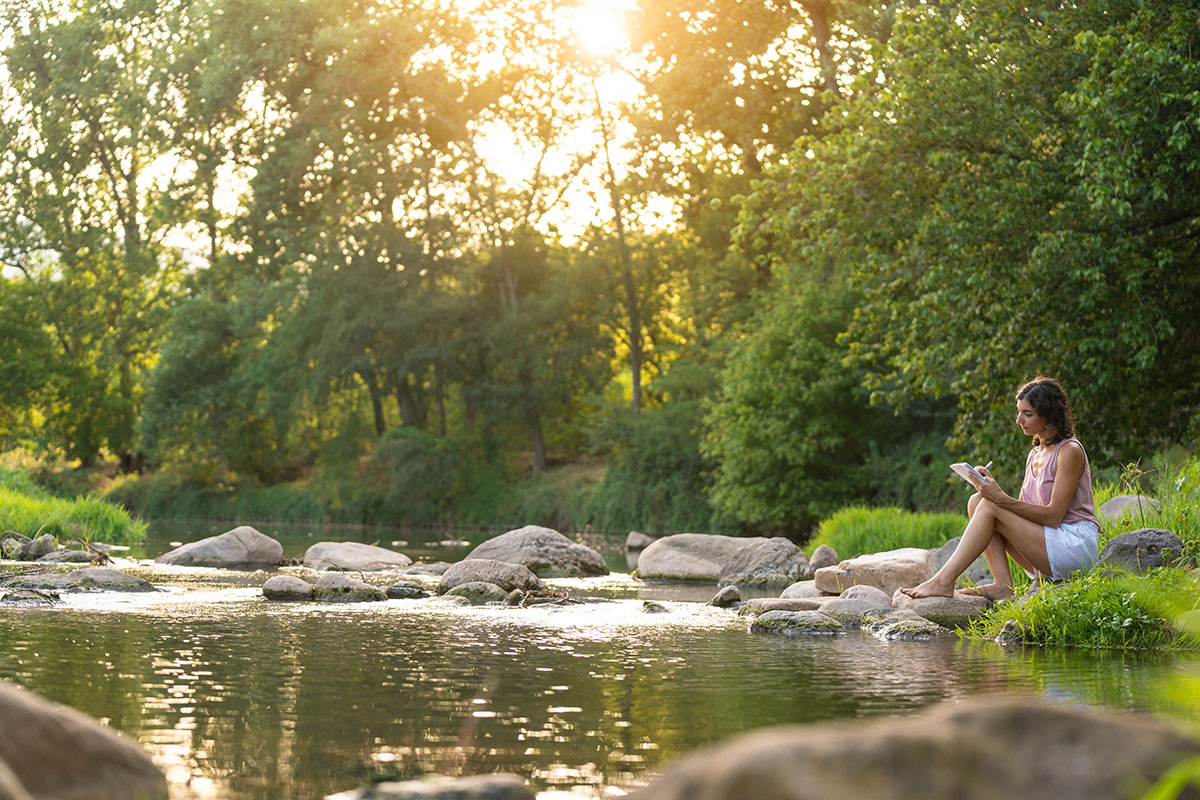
pixel 993 750
pixel 1142 550
pixel 89 579
pixel 766 562
pixel 950 612
pixel 353 556
pixel 437 787
pixel 1133 505
pixel 56 752
pixel 887 571
pixel 242 547
pixel 506 576
pixel 547 553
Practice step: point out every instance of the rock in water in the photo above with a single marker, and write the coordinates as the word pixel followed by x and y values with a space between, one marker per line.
pixel 759 605
pixel 767 562
pixel 479 592
pixel 545 552
pixel 796 623
pixel 242 547
pixel 82 580
pixel 338 587
pixel 951 612
pixel 287 587
pixel 506 576
pixel 994 750
pixel 1142 550
pixel 36 548
pixel 637 541
pixel 406 590
pixel 726 597
pixel 353 556
pixel 67 557
pixel 56 752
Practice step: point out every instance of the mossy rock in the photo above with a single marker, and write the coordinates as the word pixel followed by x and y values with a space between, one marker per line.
pixel 797 623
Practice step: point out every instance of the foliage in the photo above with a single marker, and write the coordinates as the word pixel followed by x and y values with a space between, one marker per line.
pixel 31 511
pixel 1177 489
pixel 856 530
pixel 1100 610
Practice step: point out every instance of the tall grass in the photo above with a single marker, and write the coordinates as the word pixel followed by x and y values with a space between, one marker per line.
pixel 858 529
pixel 34 512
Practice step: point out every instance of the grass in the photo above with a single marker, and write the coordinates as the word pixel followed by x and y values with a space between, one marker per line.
pixel 26 509
pixel 858 529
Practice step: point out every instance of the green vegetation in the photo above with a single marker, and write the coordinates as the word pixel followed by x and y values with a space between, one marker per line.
pixel 856 530
pixel 32 512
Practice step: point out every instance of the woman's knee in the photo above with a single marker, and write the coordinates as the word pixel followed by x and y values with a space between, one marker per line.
pixel 973 503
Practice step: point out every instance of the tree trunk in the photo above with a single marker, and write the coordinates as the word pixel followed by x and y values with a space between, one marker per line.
pixel 818 15
pixel 368 377
pixel 411 412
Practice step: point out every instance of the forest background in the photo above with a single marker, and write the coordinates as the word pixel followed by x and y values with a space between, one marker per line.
pixel 704 265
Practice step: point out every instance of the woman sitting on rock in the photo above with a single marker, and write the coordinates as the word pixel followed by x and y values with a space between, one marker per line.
pixel 1052 529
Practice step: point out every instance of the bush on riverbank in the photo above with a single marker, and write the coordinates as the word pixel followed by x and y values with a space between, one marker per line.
pixel 859 529
pixel 31 511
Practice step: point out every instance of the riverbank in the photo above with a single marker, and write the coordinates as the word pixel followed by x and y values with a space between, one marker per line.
pixel 30 511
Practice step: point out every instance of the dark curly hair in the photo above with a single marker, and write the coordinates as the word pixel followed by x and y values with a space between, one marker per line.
pixel 1050 402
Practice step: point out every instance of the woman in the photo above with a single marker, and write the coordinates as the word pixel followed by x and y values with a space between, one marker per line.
pixel 1052 529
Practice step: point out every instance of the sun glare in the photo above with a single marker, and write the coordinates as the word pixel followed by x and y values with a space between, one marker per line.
pixel 599 28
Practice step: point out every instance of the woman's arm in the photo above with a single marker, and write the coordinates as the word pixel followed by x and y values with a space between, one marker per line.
pixel 1071 462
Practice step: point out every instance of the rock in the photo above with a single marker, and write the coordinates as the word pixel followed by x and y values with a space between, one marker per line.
pixel 506 576
pixel 766 562
pixel 726 597
pixel 1011 633
pixel 56 752
pixel 30 598
pixel 36 548
pixel 1133 505
pixel 435 568
pixel 10 787
pixel 690 556
pixel 1142 550
pixel 479 592
pixel 823 556
pixel 976 574
pixel 985 750
pixel 803 589
pixel 287 587
pixel 887 571
pixel 406 590
pixel 950 612
pixel 902 625
pixel 67 557
pixel 82 580
pixel 242 547
pixel 515 598
pixel 760 605
pixel 637 541
pixel 338 587
pixel 651 607
pixel 437 787
pixel 452 600
pixel 547 553
pixel 10 545
pixel 353 556
pixel 853 603
pixel 796 623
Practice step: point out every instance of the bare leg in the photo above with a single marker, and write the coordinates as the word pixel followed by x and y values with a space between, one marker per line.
pixel 990 529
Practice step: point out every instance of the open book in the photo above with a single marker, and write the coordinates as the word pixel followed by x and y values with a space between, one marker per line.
pixel 966 472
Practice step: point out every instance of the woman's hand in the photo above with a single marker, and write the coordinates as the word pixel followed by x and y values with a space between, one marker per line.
pixel 989 489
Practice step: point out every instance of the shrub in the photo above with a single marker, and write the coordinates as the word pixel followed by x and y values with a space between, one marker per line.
pixel 89 518
pixel 858 529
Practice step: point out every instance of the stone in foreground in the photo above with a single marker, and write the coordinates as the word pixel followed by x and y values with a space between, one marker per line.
pixel 996 750
pixel 546 552
pixel 241 548
pixel 1142 550
pixel 10 787
pixel 505 575
pixel 437 787
pixel 287 587
pixel 950 612
pixel 338 587
pixel 796 623
pixel 56 752
pixel 887 571
pixel 89 579
pixel 353 556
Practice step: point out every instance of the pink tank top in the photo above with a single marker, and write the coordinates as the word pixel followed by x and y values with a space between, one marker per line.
pixel 1037 488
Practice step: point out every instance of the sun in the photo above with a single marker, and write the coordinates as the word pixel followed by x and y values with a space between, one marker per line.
pixel 599 27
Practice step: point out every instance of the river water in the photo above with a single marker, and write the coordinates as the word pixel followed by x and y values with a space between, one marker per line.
pixel 235 697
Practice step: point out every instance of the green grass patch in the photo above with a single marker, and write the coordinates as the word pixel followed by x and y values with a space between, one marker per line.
pixel 858 529
pixel 1104 610
pixel 35 512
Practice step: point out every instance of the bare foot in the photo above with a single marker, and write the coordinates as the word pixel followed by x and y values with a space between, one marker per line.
pixel 992 591
pixel 931 588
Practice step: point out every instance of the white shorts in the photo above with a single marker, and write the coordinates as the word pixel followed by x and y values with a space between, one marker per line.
pixel 1071 546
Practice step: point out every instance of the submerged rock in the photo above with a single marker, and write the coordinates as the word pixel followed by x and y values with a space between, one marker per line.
pixel 506 576
pixel 766 562
pixel 56 752
pixel 545 552
pixel 1142 550
pixel 437 787
pixel 287 587
pixel 338 587
pixel 242 547
pixel 406 590
pixel 353 556
pixel 651 607
pixel 81 580
pixel 797 623
pixel 988 750
pixel 28 598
